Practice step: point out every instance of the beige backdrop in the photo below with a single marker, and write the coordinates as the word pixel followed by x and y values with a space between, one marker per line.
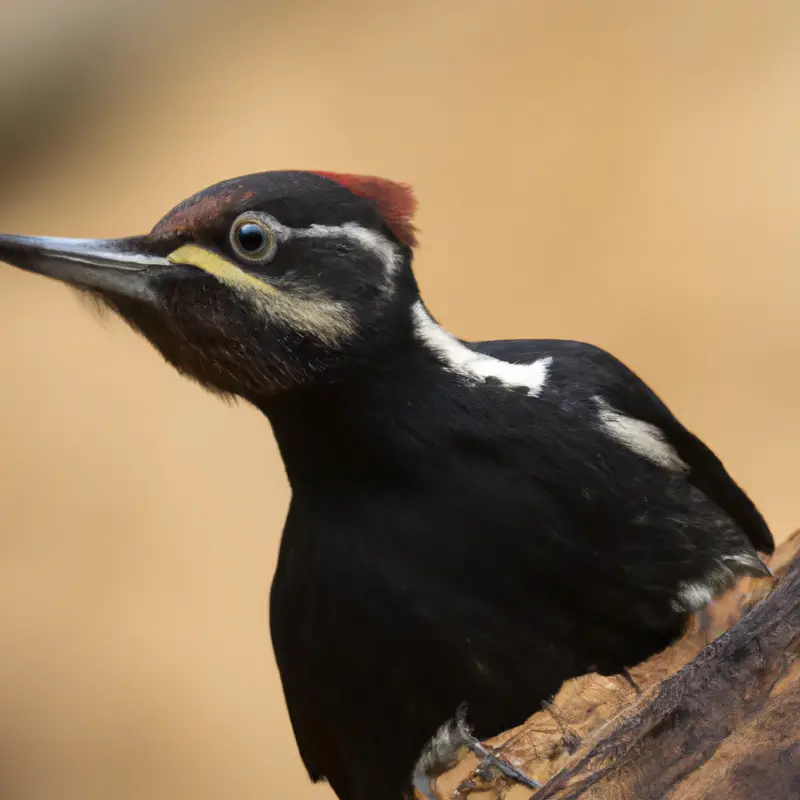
pixel 620 172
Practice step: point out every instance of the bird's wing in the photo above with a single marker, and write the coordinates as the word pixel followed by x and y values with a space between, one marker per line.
pixel 601 373
pixel 299 676
pixel 301 718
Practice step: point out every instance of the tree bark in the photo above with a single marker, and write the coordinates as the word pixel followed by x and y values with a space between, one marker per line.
pixel 718 717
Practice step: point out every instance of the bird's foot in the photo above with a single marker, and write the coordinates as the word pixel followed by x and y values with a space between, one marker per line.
pixel 448 746
pixel 442 752
pixel 491 766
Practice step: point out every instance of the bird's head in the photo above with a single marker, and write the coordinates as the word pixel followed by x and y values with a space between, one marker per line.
pixel 257 284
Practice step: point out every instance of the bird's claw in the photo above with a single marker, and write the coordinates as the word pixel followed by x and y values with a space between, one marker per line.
pixel 491 763
pixel 446 749
pixel 629 679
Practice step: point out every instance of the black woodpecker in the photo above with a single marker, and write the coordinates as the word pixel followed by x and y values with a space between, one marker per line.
pixel 471 523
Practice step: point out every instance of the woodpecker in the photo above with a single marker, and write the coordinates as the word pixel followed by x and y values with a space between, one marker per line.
pixel 471 523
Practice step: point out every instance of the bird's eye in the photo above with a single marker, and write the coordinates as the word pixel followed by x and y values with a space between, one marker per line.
pixel 253 240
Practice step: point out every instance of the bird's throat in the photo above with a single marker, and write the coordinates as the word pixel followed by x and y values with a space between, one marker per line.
pixel 381 417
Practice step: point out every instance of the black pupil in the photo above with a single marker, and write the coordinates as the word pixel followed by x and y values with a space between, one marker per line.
pixel 251 237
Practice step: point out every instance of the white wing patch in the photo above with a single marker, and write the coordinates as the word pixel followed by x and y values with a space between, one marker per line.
pixel 476 367
pixel 641 437
pixel 695 596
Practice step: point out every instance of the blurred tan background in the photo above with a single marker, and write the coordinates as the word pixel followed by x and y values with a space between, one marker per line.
pixel 623 172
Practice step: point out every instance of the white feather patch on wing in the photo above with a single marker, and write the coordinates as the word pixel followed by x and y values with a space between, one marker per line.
pixel 643 438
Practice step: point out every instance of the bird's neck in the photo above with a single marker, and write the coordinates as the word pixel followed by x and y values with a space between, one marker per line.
pixel 385 416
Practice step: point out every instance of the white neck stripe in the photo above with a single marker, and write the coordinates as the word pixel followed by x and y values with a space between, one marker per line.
pixel 477 367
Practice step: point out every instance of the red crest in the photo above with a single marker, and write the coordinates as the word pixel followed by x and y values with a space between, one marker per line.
pixel 395 202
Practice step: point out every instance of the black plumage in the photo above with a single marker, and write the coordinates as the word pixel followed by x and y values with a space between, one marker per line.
pixel 450 544
pixel 463 528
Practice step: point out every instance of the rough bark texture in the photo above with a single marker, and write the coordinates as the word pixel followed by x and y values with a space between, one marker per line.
pixel 719 716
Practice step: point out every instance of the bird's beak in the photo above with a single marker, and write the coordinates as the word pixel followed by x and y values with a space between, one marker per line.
pixel 120 266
